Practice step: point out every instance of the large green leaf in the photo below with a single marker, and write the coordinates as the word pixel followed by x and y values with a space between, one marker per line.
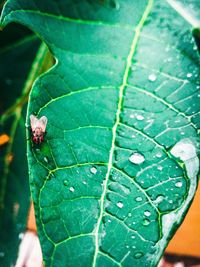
pixel 21 57
pixel 108 190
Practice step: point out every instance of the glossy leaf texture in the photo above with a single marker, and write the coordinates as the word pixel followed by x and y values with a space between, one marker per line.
pixel 18 52
pixel 118 168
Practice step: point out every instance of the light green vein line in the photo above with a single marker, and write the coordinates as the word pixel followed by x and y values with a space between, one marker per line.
pixel 66 19
pixel 170 106
pixel 75 92
pixel 138 186
pixel 109 257
pixel 121 92
pixel 72 237
pixel 146 136
pixel 162 73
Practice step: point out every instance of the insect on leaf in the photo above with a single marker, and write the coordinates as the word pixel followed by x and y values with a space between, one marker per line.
pixel 108 188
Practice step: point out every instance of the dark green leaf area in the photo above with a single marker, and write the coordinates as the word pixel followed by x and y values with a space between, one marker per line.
pixel 14 194
pixel 13 73
pixel 123 92
pixel 66 252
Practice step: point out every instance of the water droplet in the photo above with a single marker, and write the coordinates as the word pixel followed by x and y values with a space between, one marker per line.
pixel 120 204
pixel 84 182
pixel 182 133
pixel 93 170
pixel 138 255
pixel 159 199
pixel 127 246
pixel 159 155
pixel 189 75
pixel 152 77
pixel 133 136
pixel 136 158
pixel 139 117
pixel 147 213
pixel 37 150
pixel 46 159
pixel 71 189
pixel 178 184
pixel 132 116
pixel 65 182
pixel 138 199
pixel 109 221
pixel 160 168
pixel 133 236
pixel 133 246
pixel 170 201
pixel 146 222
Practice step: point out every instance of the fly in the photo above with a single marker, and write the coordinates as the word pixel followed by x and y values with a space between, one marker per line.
pixel 38 128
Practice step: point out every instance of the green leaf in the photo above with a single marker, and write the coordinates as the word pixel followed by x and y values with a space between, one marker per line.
pixel 20 56
pixel 118 168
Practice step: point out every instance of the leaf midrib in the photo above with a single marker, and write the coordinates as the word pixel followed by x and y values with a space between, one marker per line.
pixel 114 130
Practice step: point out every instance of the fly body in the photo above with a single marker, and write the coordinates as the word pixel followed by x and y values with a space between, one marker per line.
pixel 38 128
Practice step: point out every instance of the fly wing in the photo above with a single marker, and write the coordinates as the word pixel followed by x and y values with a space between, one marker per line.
pixel 34 122
pixel 42 123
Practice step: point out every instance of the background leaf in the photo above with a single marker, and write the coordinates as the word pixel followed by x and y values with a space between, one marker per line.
pixel 21 55
pixel 124 91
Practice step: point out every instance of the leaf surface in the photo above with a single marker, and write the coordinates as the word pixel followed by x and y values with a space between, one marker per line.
pixel 124 91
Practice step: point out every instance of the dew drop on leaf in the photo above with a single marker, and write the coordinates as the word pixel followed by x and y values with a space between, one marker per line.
pixel 139 117
pixel 146 222
pixel 138 199
pixel 158 155
pixel 136 158
pixel 189 75
pixel 152 77
pixel 71 189
pixel 138 255
pixel 159 199
pixel 178 184
pixel 120 204
pixel 160 168
pixel 46 159
pixel 93 170
pixel 147 213
pixel 65 182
